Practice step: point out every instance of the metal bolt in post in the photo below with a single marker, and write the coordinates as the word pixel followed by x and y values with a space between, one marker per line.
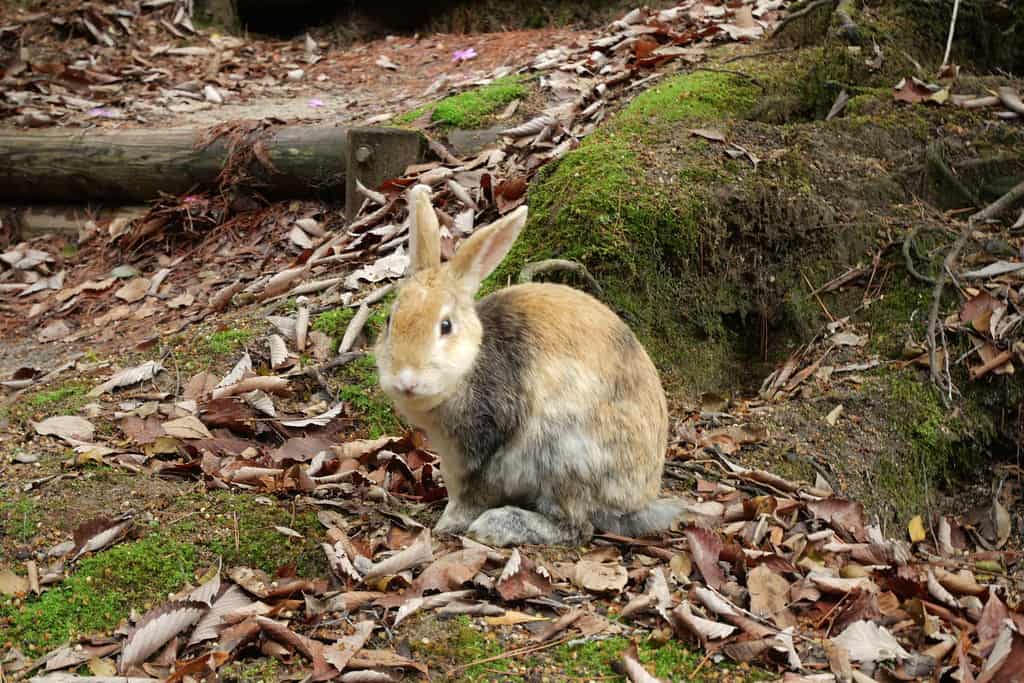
pixel 364 153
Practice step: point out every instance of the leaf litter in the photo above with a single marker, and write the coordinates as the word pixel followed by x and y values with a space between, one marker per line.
pixel 763 569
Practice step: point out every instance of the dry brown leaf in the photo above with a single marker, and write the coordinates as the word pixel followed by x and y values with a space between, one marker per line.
pixel 600 577
pixel 134 290
pixel 418 553
pixel 705 547
pixel 522 579
pixel 452 571
pixel 129 376
pixel 67 427
pixel 12 584
pixel 188 427
pixel 156 628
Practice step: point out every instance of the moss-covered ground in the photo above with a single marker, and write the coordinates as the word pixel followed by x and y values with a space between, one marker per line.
pixel 472 108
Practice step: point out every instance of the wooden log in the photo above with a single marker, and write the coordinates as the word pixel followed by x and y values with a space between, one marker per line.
pixel 138 165
pixel 70 220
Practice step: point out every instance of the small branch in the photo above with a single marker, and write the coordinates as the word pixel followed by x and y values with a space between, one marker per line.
pixel 934 159
pixel 753 55
pixel 532 270
pixel 999 361
pixel 1011 100
pixel 1004 203
pixel 908 243
pixel 952 30
pixel 733 73
pixel 802 13
pixel 355 326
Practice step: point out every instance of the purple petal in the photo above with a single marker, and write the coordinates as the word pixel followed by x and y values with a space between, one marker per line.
pixel 316 102
pixel 102 111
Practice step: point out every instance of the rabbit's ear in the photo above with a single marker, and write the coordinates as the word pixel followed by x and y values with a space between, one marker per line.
pixel 480 254
pixel 424 232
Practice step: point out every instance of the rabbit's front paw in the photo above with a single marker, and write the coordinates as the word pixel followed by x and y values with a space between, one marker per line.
pixel 455 519
pixel 510 525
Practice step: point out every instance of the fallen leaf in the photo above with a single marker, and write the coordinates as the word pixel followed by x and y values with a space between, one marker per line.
pixel 67 427
pixel 708 134
pixel 522 579
pixel 868 642
pixel 916 529
pixel 134 290
pixel 156 628
pixel 12 584
pixel 600 577
pixel 705 547
pixel 129 376
pixel 511 618
pixel 188 427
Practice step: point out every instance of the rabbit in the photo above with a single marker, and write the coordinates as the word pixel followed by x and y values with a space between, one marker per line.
pixel 547 414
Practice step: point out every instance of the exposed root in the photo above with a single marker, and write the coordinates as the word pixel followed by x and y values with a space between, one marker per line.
pixel 934 160
pixel 908 258
pixel 1001 205
pixel 799 14
pixel 532 270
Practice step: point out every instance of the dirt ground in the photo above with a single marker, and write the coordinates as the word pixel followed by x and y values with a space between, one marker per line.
pixel 193 521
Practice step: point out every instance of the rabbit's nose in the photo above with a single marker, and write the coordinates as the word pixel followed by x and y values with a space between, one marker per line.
pixel 406 381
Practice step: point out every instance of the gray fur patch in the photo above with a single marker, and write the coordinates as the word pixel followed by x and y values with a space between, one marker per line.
pixel 493 406
pixel 657 516
pixel 510 525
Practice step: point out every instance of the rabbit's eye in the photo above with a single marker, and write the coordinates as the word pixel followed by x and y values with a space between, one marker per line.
pixel 446 326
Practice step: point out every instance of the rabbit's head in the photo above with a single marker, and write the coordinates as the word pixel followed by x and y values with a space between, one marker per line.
pixel 433 333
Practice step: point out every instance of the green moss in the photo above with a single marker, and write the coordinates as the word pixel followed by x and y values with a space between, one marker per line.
pixel 471 108
pixel 263 670
pixel 245 535
pixel 672 230
pixel 102 591
pixel 693 97
pixel 19 517
pixel 227 341
pixel 333 323
pixel 70 396
pixel 360 388
pixel 941 446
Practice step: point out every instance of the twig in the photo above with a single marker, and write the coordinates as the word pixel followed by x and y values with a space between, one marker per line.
pixel 1004 203
pixel 1011 100
pixel 355 326
pixel 529 649
pixel 763 53
pixel 908 243
pixel 733 72
pixel 952 30
pixel 531 270
pixel 815 293
pixel 802 13
pixel 996 362
pixel 933 158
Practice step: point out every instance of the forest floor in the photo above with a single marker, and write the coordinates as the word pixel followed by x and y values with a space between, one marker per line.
pixel 192 485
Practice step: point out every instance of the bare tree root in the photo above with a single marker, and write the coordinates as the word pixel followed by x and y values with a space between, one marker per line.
pixel 1001 205
pixel 532 270
pixel 847 27
pixel 799 14
pixel 908 258
pixel 935 160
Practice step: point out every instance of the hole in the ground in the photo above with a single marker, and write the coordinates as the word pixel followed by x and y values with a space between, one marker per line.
pixel 291 17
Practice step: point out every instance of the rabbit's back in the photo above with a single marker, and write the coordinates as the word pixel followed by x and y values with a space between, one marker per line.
pixel 563 407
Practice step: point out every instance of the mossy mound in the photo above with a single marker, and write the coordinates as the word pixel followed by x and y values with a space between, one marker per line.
pixel 713 251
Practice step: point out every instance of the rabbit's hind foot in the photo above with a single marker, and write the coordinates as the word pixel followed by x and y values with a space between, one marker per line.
pixel 510 525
